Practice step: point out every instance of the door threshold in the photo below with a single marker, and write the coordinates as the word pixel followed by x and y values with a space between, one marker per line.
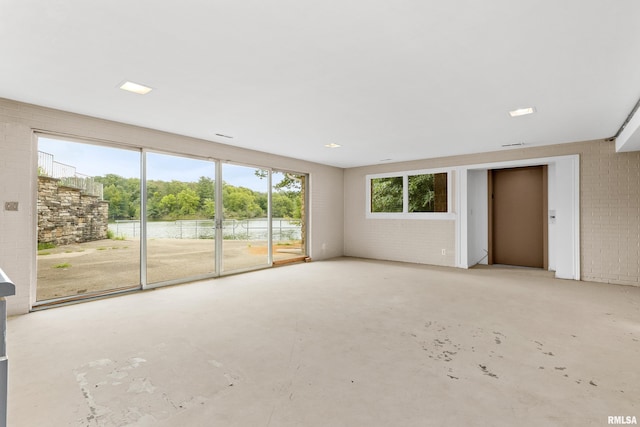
pixel 291 260
pixel 516 269
pixel 58 302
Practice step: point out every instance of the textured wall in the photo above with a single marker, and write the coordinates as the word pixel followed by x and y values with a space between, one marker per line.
pixel 610 215
pixel 18 167
pixel 610 212
pixel 66 216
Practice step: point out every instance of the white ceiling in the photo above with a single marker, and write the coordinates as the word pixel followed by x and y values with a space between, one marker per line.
pixel 400 80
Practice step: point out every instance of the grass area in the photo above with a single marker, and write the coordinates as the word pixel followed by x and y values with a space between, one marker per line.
pixel 64 265
pixel 45 245
pixel 112 236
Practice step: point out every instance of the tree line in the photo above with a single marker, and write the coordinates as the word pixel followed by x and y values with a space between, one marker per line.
pixel 427 193
pixel 171 200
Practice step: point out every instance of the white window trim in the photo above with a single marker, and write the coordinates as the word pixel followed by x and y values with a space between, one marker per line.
pixel 449 215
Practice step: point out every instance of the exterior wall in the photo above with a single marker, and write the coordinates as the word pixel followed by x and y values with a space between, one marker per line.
pixel 65 215
pixel 610 212
pixel 18 170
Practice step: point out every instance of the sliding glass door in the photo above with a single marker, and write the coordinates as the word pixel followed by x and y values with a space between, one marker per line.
pixel 113 219
pixel 85 193
pixel 180 207
pixel 245 225
pixel 288 217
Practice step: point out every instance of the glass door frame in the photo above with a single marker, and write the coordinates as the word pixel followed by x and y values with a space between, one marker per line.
pixel 304 217
pixel 68 138
pixel 218 219
pixel 143 222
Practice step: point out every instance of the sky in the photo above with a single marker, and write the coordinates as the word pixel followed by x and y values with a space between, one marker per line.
pixel 96 160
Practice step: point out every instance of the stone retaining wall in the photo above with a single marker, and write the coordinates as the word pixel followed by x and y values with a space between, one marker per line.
pixel 66 215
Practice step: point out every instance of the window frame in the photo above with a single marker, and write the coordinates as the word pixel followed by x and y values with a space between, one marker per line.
pixel 405 214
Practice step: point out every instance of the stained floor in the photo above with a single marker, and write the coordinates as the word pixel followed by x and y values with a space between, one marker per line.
pixel 345 342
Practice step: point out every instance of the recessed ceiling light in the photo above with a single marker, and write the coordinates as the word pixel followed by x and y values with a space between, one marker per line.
pixel 333 145
pixel 135 88
pixel 522 111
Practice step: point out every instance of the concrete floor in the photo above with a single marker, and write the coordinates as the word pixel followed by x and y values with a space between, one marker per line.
pixel 345 342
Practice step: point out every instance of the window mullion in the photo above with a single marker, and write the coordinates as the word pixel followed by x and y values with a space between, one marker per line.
pixel 405 193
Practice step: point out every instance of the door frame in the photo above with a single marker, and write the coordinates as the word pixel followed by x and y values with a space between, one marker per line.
pixel 219 218
pixel 564 183
pixel 219 221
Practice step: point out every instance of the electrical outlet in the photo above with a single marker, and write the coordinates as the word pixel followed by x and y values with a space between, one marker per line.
pixel 10 206
pixel 444 252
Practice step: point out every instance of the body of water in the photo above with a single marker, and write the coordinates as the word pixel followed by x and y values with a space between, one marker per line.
pixel 246 229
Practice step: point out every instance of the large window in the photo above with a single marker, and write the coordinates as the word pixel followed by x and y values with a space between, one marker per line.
pixel 180 217
pixel 415 194
pixel 114 219
pixel 87 196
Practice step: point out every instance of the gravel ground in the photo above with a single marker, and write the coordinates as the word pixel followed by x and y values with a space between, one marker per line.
pixel 103 265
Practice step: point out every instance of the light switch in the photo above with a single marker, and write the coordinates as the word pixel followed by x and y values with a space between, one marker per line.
pixel 10 206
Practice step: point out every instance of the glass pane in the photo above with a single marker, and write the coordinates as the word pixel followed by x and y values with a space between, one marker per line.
pixel 428 193
pixel 245 226
pixel 288 216
pixel 82 190
pixel 180 217
pixel 386 194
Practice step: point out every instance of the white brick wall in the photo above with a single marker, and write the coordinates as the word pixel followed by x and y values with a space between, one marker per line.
pixel 16 228
pixel 18 166
pixel 610 215
pixel 610 212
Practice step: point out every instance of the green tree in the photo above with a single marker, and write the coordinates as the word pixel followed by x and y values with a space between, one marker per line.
pixel 174 187
pixel 188 201
pixel 205 188
pixel 174 199
pixel 117 203
pixel 154 196
pixel 421 193
pixel 290 186
pixel 169 205
pixel 123 195
pixel 262 199
pixel 282 206
pixel 209 208
pixel 240 203
pixel 386 194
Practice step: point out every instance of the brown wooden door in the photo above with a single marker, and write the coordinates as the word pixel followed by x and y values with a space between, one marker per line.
pixel 518 218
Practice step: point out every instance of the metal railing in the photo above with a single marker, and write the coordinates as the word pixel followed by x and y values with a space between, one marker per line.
pixel 232 229
pixel 7 288
pixel 67 175
pixel 84 183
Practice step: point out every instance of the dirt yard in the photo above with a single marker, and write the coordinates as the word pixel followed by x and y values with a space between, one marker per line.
pixel 105 265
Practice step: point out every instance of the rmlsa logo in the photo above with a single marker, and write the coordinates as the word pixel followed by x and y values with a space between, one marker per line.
pixel 620 419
